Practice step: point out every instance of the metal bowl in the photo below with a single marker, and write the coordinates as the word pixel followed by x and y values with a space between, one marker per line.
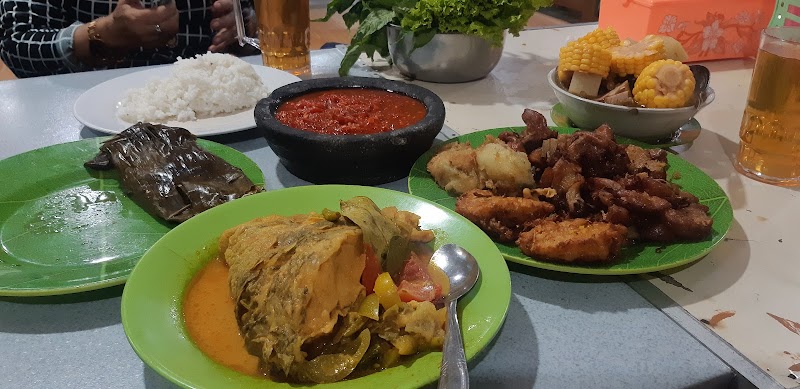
pixel 652 125
pixel 447 58
pixel 349 159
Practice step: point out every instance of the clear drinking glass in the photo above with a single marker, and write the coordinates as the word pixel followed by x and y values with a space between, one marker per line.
pixel 769 146
pixel 284 34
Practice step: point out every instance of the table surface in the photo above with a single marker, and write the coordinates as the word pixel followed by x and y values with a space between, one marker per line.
pixel 561 330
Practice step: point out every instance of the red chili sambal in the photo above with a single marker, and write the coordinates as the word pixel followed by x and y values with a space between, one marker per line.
pixel 351 111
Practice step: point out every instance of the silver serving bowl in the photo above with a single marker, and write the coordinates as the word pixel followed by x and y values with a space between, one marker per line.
pixel 652 125
pixel 447 58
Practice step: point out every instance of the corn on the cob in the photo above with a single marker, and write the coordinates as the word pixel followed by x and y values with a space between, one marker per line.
pixel 585 58
pixel 664 84
pixel 631 57
pixel 589 63
pixel 604 38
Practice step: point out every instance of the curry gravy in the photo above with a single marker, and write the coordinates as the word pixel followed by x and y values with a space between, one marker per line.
pixel 208 311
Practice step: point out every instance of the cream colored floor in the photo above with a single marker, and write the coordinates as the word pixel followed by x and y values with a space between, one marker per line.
pixel 335 30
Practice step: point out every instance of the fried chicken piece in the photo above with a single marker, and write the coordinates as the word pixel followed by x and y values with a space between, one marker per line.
pixel 455 168
pixel 501 217
pixel 689 223
pixel 573 240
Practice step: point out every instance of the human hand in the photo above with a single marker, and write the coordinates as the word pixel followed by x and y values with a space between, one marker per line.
pixel 131 25
pixel 224 23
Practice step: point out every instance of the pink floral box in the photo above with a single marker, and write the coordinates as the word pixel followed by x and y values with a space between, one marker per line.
pixel 708 29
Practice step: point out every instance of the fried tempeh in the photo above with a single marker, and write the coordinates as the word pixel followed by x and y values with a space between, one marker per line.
pixel 501 217
pixel 573 240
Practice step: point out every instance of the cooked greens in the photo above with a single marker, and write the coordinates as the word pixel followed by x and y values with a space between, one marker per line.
pixel 300 303
pixel 391 244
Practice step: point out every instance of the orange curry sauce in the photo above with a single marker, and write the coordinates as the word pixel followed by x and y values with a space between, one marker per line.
pixel 208 310
pixel 351 111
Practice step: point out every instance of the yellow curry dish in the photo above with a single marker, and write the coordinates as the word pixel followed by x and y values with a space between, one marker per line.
pixel 319 297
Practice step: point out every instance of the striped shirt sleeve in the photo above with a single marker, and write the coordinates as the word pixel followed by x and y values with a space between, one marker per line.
pixel 37 37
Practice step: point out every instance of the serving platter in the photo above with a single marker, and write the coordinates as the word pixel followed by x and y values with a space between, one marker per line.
pixel 635 258
pixel 97 107
pixel 151 302
pixel 66 229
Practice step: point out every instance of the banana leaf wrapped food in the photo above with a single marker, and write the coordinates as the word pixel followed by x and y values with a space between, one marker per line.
pixel 164 170
pixel 300 302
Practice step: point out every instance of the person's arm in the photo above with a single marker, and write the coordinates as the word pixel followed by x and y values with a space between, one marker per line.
pixel 36 37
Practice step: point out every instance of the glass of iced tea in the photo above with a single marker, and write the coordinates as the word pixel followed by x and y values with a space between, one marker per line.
pixel 769 145
pixel 284 34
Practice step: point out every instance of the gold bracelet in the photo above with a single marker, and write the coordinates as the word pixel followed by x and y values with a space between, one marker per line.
pixel 103 54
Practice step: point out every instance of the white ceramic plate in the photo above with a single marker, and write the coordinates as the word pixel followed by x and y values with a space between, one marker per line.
pixel 97 107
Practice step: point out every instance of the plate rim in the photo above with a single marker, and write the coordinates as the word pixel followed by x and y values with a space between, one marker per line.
pixel 176 378
pixel 6 291
pixel 162 71
pixel 588 270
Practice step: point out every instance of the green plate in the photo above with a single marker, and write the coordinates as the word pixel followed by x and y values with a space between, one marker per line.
pixel 65 229
pixel 685 135
pixel 634 259
pixel 151 303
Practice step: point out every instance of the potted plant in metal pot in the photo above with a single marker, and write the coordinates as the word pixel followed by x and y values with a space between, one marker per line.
pixel 433 40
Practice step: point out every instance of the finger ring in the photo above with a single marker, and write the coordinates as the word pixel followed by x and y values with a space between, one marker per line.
pixel 158 29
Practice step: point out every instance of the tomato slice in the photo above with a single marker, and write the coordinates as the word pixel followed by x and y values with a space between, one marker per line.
pixel 418 291
pixel 372 268
pixel 415 269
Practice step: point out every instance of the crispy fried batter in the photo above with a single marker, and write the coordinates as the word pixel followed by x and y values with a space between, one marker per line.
pixel 458 168
pixel 573 240
pixel 501 217
pixel 455 168
pixel 505 171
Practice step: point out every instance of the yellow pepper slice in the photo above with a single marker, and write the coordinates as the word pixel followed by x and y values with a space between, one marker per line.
pixel 386 290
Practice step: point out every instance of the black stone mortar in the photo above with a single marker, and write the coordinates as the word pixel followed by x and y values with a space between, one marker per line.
pixel 349 159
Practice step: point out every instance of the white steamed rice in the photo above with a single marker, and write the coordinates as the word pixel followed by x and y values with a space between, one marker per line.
pixel 204 86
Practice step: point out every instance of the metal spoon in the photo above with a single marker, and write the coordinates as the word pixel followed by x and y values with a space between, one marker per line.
pixel 462 270
pixel 701 77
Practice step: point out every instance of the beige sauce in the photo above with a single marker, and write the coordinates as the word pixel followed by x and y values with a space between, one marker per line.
pixel 208 310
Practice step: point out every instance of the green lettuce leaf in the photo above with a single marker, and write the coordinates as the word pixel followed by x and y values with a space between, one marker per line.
pixel 489 19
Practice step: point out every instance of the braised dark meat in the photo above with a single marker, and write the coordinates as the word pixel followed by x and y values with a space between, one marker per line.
pixel 655 231
pixel 642 202
pixel 689 223
pixel 650 161
pixel 502 218
pixel 619 95
pixel 617 215
pixel 598 153
pixel 568 181
pixel 165 171
pixel 536 130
